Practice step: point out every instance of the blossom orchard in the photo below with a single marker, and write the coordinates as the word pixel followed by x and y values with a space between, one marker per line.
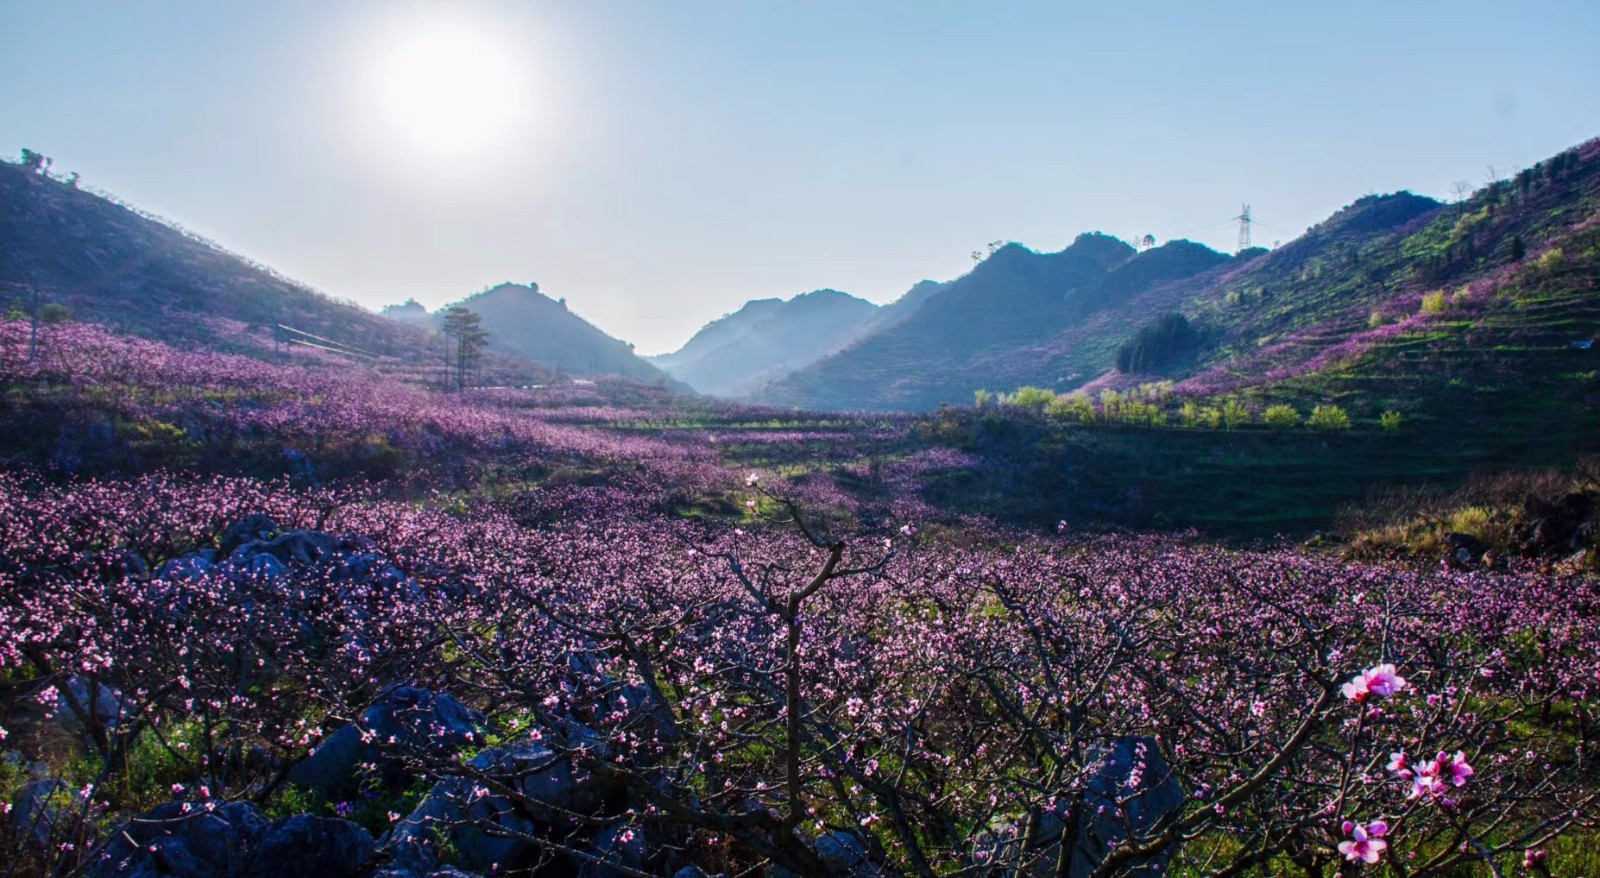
pixel 940 700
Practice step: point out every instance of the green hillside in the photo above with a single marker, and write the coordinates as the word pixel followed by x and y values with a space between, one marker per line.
pixel 1474 326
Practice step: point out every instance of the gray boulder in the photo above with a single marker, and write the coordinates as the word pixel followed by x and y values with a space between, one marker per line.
pixel 92 700
pixel 484 827
pixel 186 568
pixel 1131 791
pixel 256 566
pixel 612 847
pixel 172 843
pixel 45 813
pixel 406 721
pixel 844 856
pixel 313 846
pixel 297 548
pixel 481 830
pixel 247 529
pixel 550 784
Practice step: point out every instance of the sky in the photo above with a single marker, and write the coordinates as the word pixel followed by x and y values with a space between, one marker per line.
pixel 658 164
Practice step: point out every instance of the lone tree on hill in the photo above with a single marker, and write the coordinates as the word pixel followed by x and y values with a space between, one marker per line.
pixel 462 327
pixel 37 162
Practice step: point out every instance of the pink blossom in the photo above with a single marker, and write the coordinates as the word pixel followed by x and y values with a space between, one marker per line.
pixel 1379 680
pixel 1431 775
pixel 1366 843
pixel 1382 680
pixel 1397 763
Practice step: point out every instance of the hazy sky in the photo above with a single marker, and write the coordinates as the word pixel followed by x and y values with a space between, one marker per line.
pixel 659 163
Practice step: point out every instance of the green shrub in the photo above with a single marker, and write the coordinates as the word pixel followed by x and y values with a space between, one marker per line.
pixel 1141 414
pixel 982 398
pixel 1234 414
pixel 1390 420
pixel 1374 320
pixel 1281 417
pixel 1434 302
pixel 1475 520
pixel 1029 397
pixel 1071 407
pixel 1110 405
pixel 1328 417
pixel 1550 260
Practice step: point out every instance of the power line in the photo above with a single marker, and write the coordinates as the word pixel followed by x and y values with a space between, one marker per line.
pixel 327 341
pixel 312 344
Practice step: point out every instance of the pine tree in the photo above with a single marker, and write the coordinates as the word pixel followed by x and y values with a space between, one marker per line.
pixel 462 327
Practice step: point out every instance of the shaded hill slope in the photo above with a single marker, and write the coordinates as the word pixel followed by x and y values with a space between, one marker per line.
pixel 111 264
pixel 984 329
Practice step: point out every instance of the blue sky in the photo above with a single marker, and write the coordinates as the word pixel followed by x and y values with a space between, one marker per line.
pixel 668 161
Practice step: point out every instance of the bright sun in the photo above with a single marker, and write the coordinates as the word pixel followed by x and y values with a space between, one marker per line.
pixel 445 88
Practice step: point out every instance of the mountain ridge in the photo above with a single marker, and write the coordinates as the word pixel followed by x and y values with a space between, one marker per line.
pixel 526 323
pixel 737 353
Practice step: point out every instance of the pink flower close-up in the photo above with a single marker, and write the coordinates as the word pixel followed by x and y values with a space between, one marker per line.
pixel 1366 844
pixel 1380 680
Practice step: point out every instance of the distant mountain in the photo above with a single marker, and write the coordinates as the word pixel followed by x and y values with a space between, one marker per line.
pixel 1482 314
pixel 897 311
pixel 109 263
pixel 410 312
pixel 526 323
pixel 766 339
pixel 985 329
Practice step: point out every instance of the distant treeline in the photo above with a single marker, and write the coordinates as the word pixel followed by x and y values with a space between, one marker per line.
pixel 1157 344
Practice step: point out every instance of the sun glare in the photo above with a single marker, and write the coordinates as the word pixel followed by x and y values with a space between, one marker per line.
pixel 444 87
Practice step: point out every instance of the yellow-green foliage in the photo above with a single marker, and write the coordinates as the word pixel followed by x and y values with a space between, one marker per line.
pixel 1475 520
pixel 1153 391
pixel 1141 414
pixel 1281 417
pixel 1234 414
pixel 1029 397
pixel 1110 405
pixel 1071 407
pixel 1390 420
pixel 1550 259
pixel 982 398
pixel 1467 223
pixel 1329 417
pixel 1434 302
pixel 1374 320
